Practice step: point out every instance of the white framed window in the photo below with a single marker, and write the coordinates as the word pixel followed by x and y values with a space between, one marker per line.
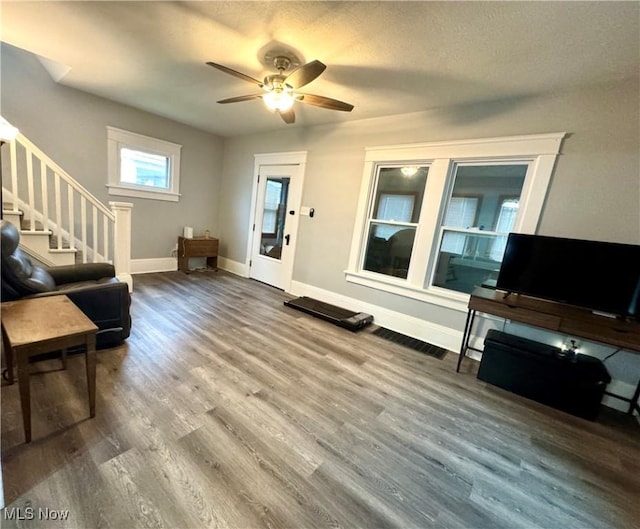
pixel 142 167
pixel 393 219
pixel 473 193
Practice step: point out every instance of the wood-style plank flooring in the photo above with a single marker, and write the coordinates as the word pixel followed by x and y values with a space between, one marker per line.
pixel 226 409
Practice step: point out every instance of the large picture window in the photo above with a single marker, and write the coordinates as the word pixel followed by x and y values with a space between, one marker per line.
pixel 439 230
pixel 142 167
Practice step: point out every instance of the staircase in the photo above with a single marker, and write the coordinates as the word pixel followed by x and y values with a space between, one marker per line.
pixel 60 222
pixel 39 243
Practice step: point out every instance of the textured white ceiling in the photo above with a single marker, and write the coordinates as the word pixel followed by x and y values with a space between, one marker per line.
pixel 383 57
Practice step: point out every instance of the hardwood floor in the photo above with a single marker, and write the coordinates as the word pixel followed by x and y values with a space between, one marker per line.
pixel 226 409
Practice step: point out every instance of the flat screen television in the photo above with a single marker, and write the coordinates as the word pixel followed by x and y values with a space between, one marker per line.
pixel 601 276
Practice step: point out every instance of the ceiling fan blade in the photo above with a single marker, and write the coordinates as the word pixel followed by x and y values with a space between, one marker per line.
pixel 325 102
pixel 235 74
pixel 240 98
pixel 288 116
pixel 305 74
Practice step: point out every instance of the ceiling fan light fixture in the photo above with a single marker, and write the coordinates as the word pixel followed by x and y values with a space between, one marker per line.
pixel 279 100
pixel 280 91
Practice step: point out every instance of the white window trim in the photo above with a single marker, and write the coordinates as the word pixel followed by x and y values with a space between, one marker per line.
pixel 539 150
pixel 116 140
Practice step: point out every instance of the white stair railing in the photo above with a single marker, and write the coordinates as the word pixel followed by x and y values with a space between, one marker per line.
pixel 48 195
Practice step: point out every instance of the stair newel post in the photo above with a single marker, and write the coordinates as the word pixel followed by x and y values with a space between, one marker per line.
pixel 122 241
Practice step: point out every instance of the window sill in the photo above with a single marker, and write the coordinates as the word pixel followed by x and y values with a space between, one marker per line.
pixel 143 193
pixel 434 295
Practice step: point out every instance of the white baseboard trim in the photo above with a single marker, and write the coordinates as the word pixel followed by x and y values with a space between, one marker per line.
pixel 235 267
pixel 155 264
pixel 170 264
pixel 396 321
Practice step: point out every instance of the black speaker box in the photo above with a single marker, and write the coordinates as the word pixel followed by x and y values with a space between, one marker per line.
pixel 540 372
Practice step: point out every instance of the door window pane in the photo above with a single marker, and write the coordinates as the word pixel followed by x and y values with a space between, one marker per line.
pixel 393 220
pixel 273 216
pixel 273 192
pixel 482 208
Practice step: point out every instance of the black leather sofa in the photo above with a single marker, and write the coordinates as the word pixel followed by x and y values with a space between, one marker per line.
pixel 93 287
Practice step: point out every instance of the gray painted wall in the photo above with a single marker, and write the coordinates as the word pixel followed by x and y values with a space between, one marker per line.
pixel 70 126
pixel 594 192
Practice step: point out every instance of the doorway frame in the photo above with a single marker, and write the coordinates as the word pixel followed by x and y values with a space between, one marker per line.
pixel 298 158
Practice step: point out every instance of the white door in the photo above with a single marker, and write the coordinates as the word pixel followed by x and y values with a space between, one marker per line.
pixel 279 192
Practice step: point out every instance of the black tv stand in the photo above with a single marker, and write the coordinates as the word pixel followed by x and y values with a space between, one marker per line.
pixel 559 317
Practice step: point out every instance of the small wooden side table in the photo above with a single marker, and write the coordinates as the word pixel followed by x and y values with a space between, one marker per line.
pixel 197 247
pixel 42 325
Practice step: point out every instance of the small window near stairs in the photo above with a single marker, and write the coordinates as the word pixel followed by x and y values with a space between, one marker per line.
pixel 143 167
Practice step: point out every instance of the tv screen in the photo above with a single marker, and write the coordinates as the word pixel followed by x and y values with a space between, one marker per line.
pixel 602 276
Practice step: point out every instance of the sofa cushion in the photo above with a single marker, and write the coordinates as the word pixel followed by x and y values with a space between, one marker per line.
pixel 83 285
pixel 81 272
pixel 27 279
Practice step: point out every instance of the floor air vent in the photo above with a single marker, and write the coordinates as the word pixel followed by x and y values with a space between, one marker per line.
pixel 413 343
pixel 348 319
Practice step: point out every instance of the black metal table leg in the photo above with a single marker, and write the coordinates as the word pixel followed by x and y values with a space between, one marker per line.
pixel 634 401
pixel 471 314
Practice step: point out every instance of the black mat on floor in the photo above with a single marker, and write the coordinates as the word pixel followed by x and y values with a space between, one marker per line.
pixel 354 321
pixel 413 343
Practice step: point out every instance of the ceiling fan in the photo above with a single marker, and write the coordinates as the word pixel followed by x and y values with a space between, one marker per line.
pixel 280 91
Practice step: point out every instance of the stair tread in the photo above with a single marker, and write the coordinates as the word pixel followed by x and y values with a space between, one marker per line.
pixel 53 240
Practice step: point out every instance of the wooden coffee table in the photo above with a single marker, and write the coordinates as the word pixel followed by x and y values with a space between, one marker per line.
pixel 42 325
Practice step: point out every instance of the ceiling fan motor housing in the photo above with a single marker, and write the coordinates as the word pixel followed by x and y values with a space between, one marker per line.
pixel 275 55
pixel 276 83
pixel 282 63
